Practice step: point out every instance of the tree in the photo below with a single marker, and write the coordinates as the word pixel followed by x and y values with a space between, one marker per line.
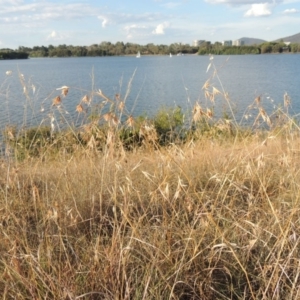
pixel 266 48
pixel 277 48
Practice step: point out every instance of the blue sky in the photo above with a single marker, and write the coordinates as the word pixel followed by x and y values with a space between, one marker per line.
pixel 86 22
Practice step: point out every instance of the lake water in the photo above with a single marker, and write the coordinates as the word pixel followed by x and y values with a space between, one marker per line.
pixel 156 81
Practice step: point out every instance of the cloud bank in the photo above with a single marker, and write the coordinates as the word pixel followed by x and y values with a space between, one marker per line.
pixel 259 10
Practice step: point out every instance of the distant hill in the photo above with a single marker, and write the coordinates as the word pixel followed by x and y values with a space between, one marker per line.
pixel 251 41
pixel 292 38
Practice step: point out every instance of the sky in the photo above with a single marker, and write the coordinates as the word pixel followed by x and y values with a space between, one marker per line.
pixel 85 22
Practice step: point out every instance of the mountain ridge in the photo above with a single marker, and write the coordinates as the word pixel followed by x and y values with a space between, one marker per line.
pixel 251 41
pixel 295 38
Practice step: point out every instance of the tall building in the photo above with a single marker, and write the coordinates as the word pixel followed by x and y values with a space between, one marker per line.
pixel 227 43
pixel 197 43
pixel 238 43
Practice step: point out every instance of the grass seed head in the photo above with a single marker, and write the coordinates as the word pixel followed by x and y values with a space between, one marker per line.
pixel 130 122
pixel 207 94
pixel 79 108
pixel 107 117
pixel 264 116
pixel 216 91
pixel 209 113
pixel 86 99
pixel 121 106
pixel 56 100
pixel 206 85
pixel 197 112
pixel 286 100
pixel 115 120
pixel 64 92
pixel 257 100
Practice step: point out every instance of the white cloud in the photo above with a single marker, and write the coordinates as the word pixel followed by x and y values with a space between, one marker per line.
pixel 55 36
pixel 259 10
pixel 48 11
pixel 52 35
pixel 160 29
pixel 290 1
pixel 18 8
pixel 104 20
pixel 10 19
pixel 135 30
pixel 122 18
pixel 104 23
pixel 240 2
pixel 291 11
pixel 11 2
pixel 171 5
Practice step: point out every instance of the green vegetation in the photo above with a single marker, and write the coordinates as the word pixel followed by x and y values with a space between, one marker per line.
pixel 129 208
pixel 120 48
pixel 108 49
pixel 11 54
pixel 268 47
pixel 168 124
pixel 229 50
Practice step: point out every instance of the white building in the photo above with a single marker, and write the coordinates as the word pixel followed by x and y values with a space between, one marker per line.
pixel 197 43
pixel 238 43
pixel 227 43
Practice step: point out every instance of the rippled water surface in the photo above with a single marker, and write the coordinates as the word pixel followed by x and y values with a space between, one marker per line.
pixel 156 81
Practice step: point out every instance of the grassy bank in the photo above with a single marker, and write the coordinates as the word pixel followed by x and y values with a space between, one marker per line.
pixel 208 220
pixel 146 209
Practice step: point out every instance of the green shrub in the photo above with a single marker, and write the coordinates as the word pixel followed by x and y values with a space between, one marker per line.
pixel 168 124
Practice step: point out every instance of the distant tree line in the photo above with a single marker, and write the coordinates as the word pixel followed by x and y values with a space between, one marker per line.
pixel 11 54
pixel 267 47
pixel 120 48
pixel 108 49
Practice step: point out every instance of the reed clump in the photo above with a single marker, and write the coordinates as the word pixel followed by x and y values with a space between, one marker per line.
pixel 128 213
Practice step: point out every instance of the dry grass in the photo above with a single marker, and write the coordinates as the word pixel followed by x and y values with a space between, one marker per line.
pixel 208 220
pixel 215 217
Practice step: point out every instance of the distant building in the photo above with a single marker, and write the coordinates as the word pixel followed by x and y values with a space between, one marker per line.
pixel 238 43
pixel 227 43
pixel 286 48
pixel 197 43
